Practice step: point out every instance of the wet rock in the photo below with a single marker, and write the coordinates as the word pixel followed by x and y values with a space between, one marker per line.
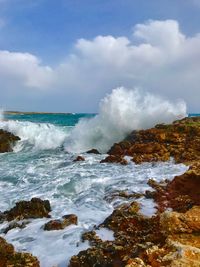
pixel 93 151
pixel 114 159
pixel 122 194
pixel 7 141
pixel 79 158
pixel 181 193
pixel 14 225
pixel 8 257
pixel 36 208
pixel 61 224
pixel 180 140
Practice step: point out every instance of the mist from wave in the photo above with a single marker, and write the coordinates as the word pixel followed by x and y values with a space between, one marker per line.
pixel 39 135
pixel 119 113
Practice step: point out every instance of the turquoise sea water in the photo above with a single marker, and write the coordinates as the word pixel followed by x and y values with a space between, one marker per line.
pixel 42 166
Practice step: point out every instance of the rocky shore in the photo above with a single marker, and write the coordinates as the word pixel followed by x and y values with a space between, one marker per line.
pixel 171 237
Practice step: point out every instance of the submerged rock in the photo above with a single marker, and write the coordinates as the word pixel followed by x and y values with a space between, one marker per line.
pixel 61 224
pixel 115 159
pixel 36 208
pixel 79 158
pixel 7 141
pixel 93 151
pixel 14 225
pixel 8 257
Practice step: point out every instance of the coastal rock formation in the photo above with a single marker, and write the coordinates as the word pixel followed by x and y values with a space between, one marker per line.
pixel 8 257
pixel 61 224
pixel 7 141
pixel 180 140
pixel 36 208
pixel 172 236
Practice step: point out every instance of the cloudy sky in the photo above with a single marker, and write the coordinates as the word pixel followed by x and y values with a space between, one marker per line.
pixel 65 55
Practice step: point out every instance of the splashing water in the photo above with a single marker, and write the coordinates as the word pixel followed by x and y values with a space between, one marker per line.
pixel 39 135
pixel 121 112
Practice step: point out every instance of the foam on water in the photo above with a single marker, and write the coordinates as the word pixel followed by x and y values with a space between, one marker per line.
pixel 39 135
pixel 121 112
pixel 71 187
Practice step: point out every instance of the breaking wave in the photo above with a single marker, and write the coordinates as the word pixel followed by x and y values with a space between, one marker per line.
pixel 39 135
pixel 121 112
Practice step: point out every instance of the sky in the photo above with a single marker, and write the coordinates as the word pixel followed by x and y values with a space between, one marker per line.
pixel 66 55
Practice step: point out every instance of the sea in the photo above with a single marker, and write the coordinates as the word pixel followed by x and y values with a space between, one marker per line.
pixel 42 165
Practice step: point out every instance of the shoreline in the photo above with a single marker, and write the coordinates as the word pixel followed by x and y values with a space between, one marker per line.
pixel 171 237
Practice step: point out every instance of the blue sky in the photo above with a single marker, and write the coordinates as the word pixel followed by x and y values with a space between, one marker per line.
pixel 49 31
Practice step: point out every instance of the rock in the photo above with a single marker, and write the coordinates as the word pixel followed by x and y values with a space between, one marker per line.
pixel 175 223
pixel 14 225
pixel 36 208
pixel 79 158
pixel 181 193
pixel 61 224
pixel 180 140
pixel 7 141
pixel 169 238
pixel 93 151
pixel 133 233
pixel 114 159
pixel 8 257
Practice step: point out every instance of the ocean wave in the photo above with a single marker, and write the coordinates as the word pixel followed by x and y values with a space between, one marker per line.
pixel 121 112
pixel 38 135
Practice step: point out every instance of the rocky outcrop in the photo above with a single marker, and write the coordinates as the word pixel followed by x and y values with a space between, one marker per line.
pixel 8 257
pixel 180 140
pixel 61 224
pixel 172 236
pixel 7 141
pixel 35 208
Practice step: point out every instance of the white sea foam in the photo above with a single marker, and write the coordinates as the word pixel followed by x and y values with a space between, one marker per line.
pixel 121 112
pixel 39 135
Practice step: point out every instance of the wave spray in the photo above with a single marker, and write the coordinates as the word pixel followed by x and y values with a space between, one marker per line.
pixel 121 112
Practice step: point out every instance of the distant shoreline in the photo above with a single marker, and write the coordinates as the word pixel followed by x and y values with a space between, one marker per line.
pixel 8 112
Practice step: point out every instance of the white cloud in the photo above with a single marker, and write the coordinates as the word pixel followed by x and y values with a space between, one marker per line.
pixel 158 58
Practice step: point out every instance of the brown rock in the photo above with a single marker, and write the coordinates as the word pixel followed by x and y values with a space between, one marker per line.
pixel 36 208
pixel 7 141
pixel 79 158
pixel 8 257
pixel 114 159
pixel 61 224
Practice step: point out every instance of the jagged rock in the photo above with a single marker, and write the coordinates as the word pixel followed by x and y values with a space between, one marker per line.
pixel 61 224
pixel 168 239
pixel 181 193
pixel 8 257
pixel 36 208
pixel 114 159
pixel 7 141
pixel 93 151
pixel 79 158
pixel 175 223
pixel 180 140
